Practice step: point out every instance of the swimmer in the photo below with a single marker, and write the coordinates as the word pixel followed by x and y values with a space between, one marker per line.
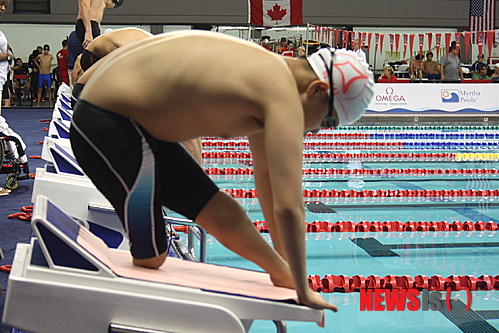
pixel 139 104
pixel 90 13
pixel 99 48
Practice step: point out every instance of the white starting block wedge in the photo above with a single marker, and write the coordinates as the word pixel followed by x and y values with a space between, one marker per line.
pixel 68 280
pixel 60 147
pixel 61 112
pixel 59 129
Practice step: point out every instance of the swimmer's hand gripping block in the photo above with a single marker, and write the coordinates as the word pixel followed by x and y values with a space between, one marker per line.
pixel 68 280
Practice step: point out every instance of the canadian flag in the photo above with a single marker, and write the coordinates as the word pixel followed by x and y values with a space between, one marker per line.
pixel 275 13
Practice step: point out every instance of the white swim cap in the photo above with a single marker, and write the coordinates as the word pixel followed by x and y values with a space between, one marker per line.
pixel 352 82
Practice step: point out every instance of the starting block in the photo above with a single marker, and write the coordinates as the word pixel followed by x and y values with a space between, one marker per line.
pixel 68 280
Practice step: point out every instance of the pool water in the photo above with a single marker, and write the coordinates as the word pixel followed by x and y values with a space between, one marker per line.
pixel 428 253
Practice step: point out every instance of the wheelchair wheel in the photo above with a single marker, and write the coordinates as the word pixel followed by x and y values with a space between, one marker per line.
pixel 11 181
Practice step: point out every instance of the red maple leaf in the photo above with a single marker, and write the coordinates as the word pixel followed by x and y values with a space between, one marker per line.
pixel 276 13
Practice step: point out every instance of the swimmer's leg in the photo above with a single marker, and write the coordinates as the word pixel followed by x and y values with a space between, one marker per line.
pixel 226 220
pixel 188 190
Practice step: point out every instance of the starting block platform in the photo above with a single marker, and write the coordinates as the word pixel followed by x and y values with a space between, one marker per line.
pixel 68 280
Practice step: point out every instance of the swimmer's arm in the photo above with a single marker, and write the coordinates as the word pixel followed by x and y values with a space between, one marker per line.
pixel 262 182
pixel 37 59
pixel 281 145
pixel 84 15
pixel 280 179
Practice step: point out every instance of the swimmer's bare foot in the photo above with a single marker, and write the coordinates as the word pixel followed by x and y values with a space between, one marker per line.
pixel 315 300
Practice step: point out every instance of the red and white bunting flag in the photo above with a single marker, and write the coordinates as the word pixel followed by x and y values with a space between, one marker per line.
pixel 458 41
pixel 480 38
pixel 411 43
pixel 406 38
pixel 447 42
pixel 429 38
pixel 438 40
pixel 490 41
pixel 421 42
pixel 467 42
pixel 275 13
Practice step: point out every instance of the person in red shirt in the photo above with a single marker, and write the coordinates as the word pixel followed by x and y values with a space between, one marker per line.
pixel 62 63
pixel 288 50
pixel 387 75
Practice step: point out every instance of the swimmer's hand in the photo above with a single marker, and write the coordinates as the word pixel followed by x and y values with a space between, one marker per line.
pixel 315 300
pixel 87 39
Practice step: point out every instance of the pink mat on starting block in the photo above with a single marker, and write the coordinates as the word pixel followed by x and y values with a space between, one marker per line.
pixel 187 273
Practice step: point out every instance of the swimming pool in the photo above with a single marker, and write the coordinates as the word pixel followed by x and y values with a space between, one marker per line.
pixel 411 174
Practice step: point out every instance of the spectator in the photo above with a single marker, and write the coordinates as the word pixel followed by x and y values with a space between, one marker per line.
pixel 44 61
pixel 495 75
pixel 358 51
pixel 289 50
pixel 21 69
pixel 34 71
pixel 415 68
pixel 74 50
pixel 8 88
pixel 281 46
pixel 482 73
pixel 62 63
pixel 450 65
pixel 265 44
pixel 430 68
pixel 301 51
pixel 6 57
pixel 388 74
pixel 474 68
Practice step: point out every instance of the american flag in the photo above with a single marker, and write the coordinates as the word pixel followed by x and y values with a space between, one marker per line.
pixel 482 15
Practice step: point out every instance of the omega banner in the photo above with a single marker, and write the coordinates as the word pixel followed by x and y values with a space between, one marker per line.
pixel 435 98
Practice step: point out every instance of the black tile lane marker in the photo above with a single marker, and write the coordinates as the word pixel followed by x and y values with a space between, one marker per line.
pixel 376 249
pixel 467 321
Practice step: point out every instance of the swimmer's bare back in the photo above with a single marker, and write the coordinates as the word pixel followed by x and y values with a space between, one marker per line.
pixel 184 85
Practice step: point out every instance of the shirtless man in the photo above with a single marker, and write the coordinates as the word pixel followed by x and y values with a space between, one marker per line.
pixel 43 62
pixel 90 13
pixel 139 104
pixel 282 45
pixel 105 44
pixel 102 46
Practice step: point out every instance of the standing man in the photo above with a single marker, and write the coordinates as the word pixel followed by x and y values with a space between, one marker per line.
pixel 90 13
pixel 62 63
pixel 43 62
pixel 74 50
pixel 5 56
pixel 450 65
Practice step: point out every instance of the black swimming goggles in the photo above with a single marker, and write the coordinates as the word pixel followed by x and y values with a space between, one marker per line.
pixel 329 120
